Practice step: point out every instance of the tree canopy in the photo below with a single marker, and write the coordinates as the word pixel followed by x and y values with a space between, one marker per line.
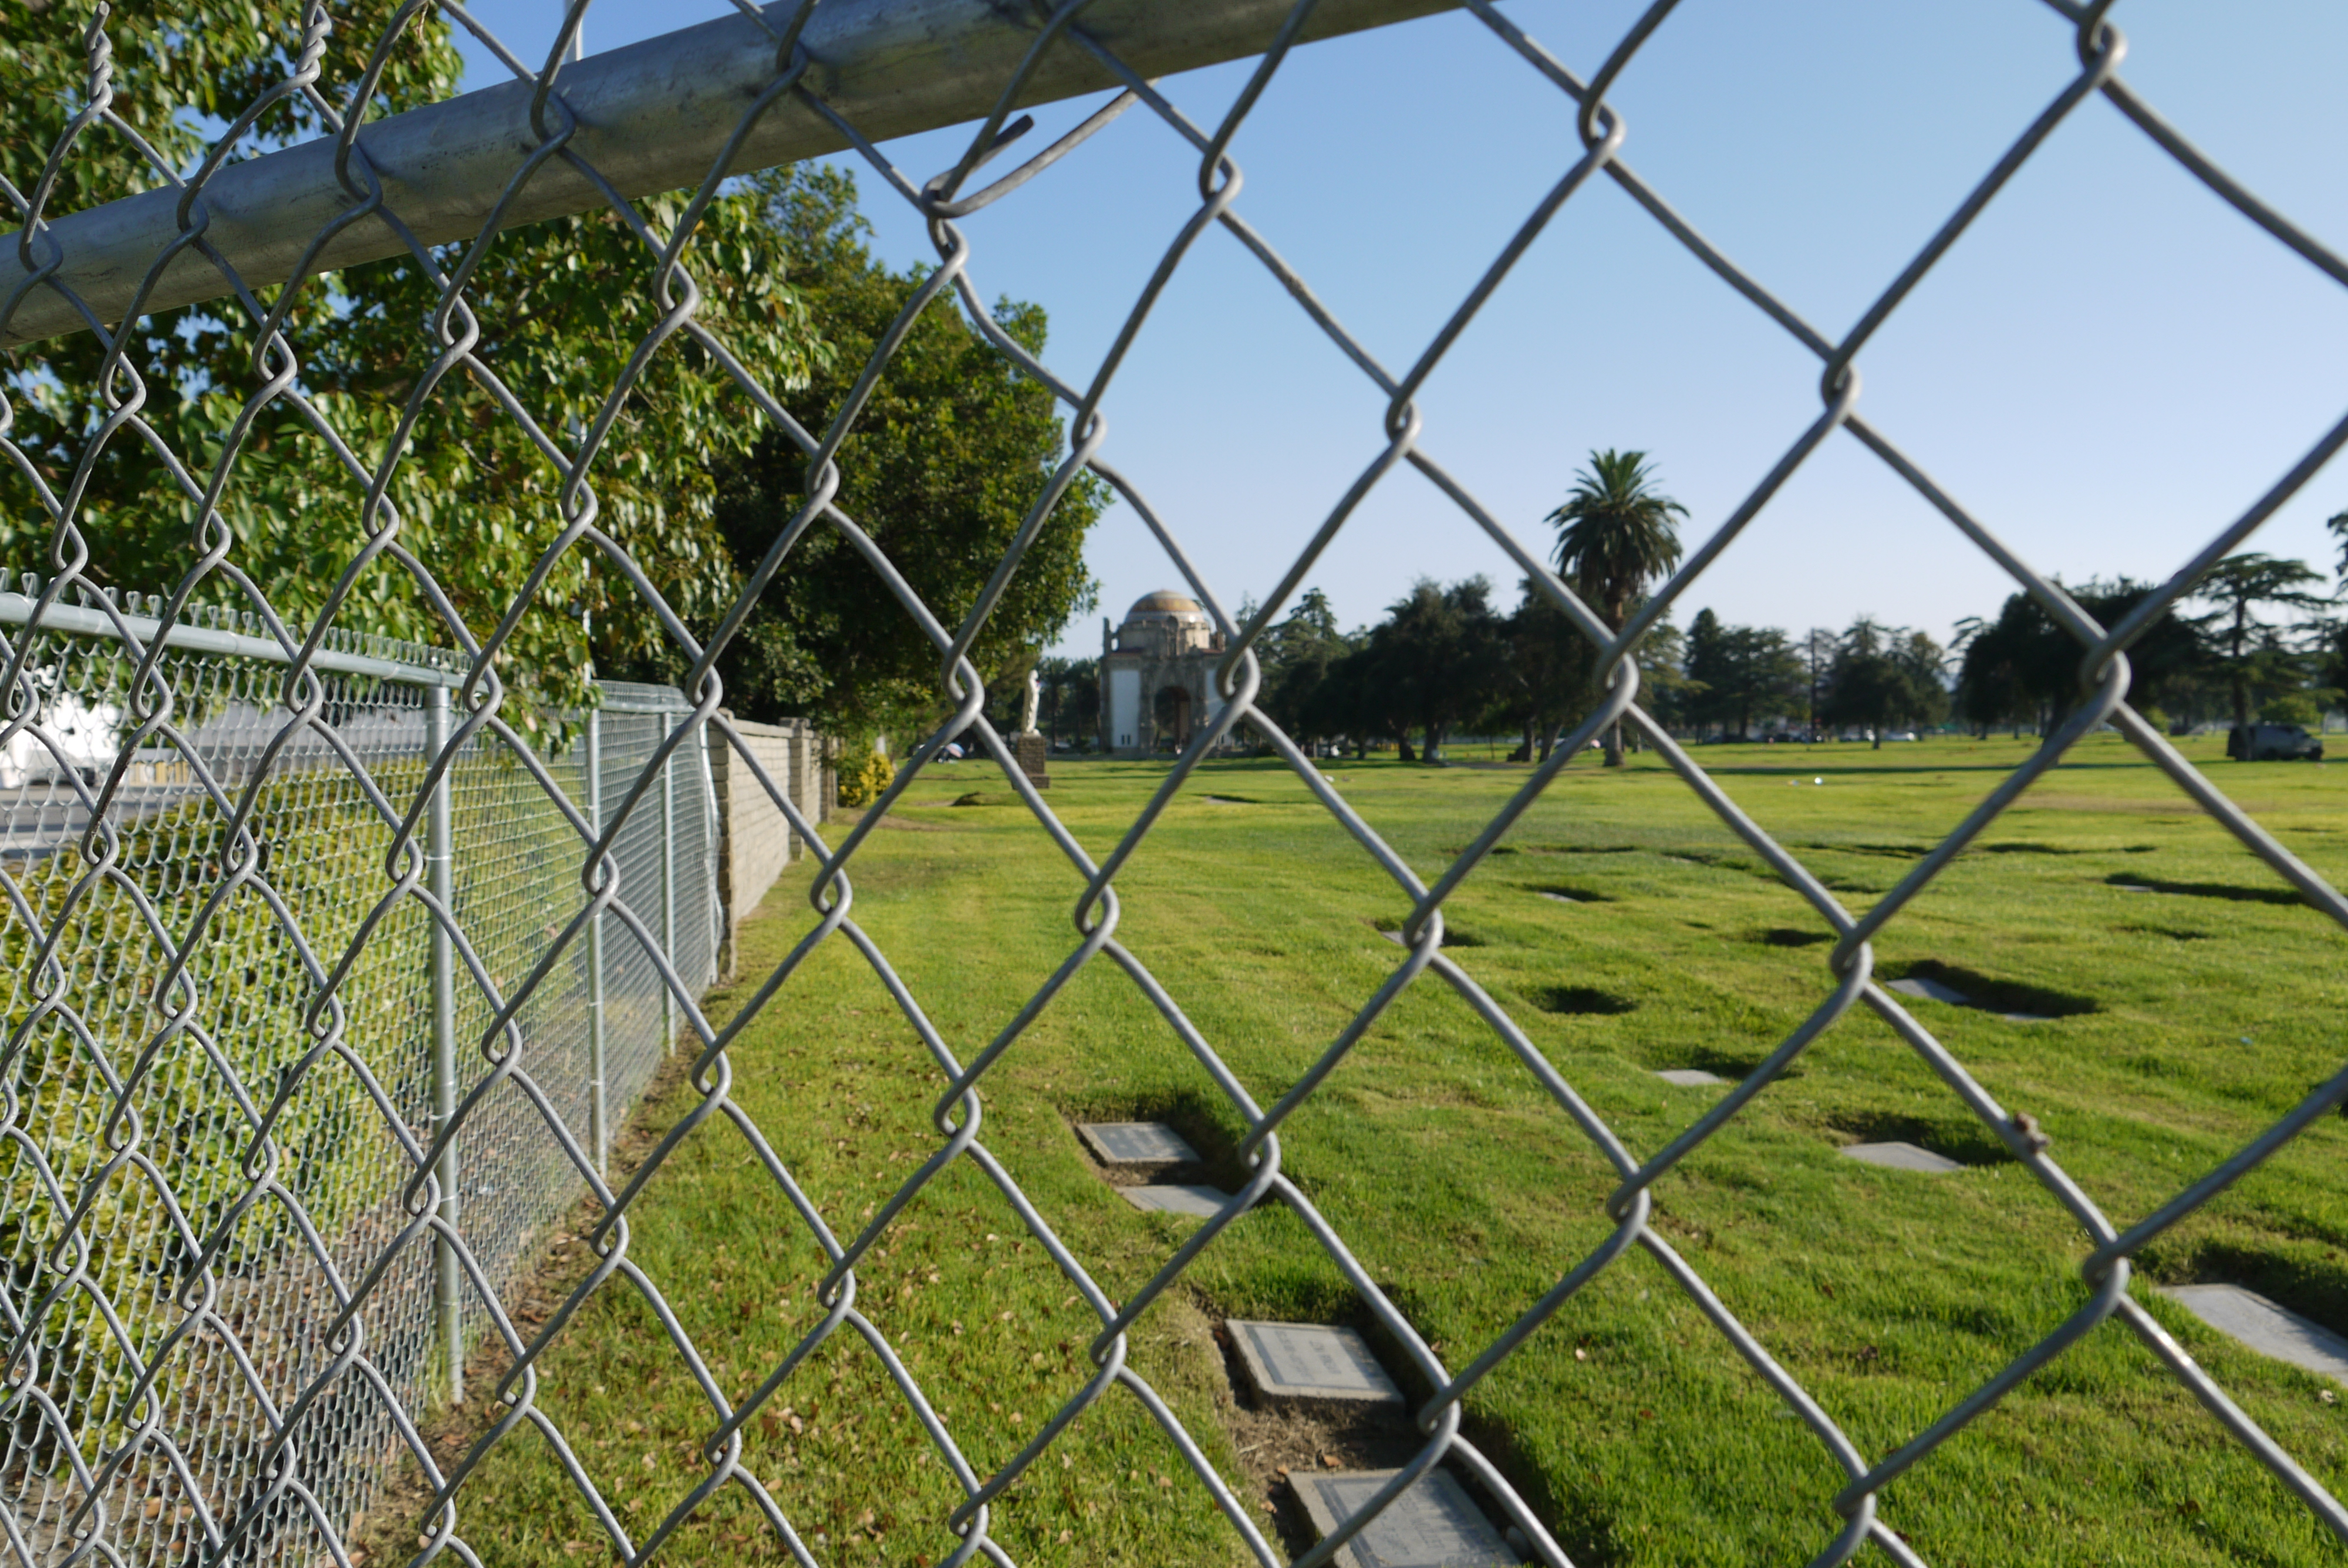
pixel 950 452
pixel 472 499
pixel 1615 535
pixel 2248 651
pixel 1884 675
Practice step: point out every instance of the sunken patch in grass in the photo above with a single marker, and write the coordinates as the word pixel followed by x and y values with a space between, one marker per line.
pixel 1582 849
pixel 1733 1066
pixel 2173 933
pixel 1574 891
pixel 2230 890
pixel 1579 1002
pixel 1453 935
pixel 1991 994
pixel 1894 851
pixel 2023 847
pixel 1958 1137
pixel 1726 860
pixel 1788 936
pixel 981 797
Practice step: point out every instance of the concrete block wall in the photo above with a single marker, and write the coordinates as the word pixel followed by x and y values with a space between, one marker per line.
pixel 754 839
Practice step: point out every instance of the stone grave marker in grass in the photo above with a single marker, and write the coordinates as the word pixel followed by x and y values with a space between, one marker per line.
pixel 2269 1329
pixel 1205 1203
pixel 1141 1148
pixel 1431 1525
pixel 1689 1077
pixel 1290 1362
pixel 1901 1157
pixel 1923 988
pixel 1930 990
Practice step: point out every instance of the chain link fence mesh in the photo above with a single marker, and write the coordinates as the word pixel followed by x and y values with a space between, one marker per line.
pixel 170 1303
pixel 220 1249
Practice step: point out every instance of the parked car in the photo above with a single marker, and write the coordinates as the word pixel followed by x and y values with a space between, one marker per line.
pixel 2272 744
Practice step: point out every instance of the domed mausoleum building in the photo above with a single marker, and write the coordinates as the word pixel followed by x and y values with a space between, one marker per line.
pixel 1158 675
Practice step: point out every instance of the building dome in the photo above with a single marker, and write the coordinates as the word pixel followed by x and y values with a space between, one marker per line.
pixel 1165 602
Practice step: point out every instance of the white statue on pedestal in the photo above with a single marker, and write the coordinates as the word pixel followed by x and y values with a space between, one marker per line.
pixel 1028 708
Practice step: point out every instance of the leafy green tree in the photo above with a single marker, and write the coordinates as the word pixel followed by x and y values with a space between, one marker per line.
pixel 1925 664
pixel 1441 651
pixel 1767 675
pixel 1816 652
pixel 1663 685
pixel 2021 668
pixel 950 452
pixel 1295 655
pixel 1883 675
pixel 1709 668
pixel 1356 701
pixel 2299 707
pixel 1615 535
pixel 1070 708
pixel 1736 672
pixel 1549 670
pixel 472 501
pixel 2248 651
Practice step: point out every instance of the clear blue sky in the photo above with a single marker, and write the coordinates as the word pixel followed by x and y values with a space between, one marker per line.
pixel 2109 368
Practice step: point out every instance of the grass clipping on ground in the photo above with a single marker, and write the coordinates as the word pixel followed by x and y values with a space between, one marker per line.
pixel 2188 1021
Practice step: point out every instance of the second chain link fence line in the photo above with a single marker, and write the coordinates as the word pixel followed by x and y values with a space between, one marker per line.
pixel 214 1383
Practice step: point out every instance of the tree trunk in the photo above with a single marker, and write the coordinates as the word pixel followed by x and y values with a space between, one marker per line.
pixel 1548 737
pixel 1617 611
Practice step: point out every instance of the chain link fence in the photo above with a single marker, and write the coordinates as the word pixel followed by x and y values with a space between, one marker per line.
pixel 221 1247
pixel 175 907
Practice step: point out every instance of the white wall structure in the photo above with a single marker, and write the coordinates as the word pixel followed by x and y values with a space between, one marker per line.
pixel 1124 708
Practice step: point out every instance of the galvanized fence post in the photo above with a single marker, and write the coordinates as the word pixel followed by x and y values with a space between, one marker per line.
pixel 439 849
pixel 713 841
pixel 599 1114
pixel 668 893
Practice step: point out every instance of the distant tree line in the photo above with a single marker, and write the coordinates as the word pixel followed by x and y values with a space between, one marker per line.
pixel 2259 638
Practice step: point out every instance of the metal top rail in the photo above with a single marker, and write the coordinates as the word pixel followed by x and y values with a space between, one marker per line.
pixel 446 667
pixel 17 610
pixel 650 118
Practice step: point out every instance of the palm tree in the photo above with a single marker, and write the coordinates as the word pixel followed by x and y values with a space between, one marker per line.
pixel 1615 536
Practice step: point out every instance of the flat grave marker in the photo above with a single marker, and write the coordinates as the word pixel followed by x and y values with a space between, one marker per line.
pixel 2268 1329
pixel 1312 1362
pixel 1205 1203
pixel 1145 1146
pixel 1431 1525
pixel 1689 1077
pixel 1555 897
pixel 1901 1157
pixel 1928 991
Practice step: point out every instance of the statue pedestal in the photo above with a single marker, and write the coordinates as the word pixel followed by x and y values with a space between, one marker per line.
pixel 1033 751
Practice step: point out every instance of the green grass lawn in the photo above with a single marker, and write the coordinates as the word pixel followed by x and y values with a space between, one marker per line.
pixel 2188 1021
